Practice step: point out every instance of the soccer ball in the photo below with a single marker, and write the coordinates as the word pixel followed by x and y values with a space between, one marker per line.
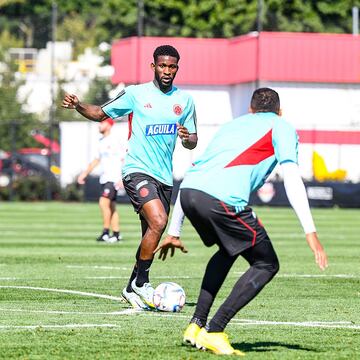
pixel 169 296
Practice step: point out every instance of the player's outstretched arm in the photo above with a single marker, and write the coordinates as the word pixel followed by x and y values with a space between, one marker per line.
pixel 296 193
pixel 81 178
pixel 91 112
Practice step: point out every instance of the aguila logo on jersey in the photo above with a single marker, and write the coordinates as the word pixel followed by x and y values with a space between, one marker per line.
pixel 160 129
pixel 177 109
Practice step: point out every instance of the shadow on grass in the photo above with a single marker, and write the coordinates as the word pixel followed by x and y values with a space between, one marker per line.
pixel 265 346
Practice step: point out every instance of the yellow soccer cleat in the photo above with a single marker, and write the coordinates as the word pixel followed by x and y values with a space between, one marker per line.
pixel 191 334
pixel 218 343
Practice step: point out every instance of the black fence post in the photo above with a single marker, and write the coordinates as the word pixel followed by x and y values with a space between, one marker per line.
pixel 12 158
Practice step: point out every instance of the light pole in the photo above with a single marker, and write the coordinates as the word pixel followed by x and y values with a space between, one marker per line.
pixel 54 9
pixel 355 20
pixel 140 18
pixel 259 27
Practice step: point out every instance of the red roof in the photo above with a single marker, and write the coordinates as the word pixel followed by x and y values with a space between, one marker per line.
pixel 271 56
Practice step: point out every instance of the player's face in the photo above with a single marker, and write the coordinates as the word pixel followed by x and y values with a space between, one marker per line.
pixel 165 70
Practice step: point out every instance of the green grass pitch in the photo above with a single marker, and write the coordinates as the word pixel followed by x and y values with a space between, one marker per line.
pixel 58 289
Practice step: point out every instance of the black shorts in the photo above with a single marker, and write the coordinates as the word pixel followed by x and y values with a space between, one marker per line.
pixel 219 223
pixel 108 191
pixel 142 188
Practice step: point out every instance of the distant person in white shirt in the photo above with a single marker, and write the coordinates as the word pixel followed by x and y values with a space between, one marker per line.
pixel 110 159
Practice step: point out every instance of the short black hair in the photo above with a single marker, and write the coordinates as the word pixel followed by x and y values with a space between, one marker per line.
pixel 164 50
pixel 265 100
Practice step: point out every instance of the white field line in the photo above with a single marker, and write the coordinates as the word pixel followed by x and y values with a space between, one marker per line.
pixel 300 276
pixel 97 267
pixel 61 312
pixel 67 326
pixel 299 324
pixel 8 278
pixel 250 322
pixel 127 277
pixel 65 291
pixel 341 276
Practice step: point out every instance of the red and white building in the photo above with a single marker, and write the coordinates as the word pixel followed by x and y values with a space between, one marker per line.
pixel 316 75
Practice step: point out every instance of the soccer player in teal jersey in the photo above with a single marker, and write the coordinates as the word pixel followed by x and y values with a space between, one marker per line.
pixel 158 112
pixel 214 196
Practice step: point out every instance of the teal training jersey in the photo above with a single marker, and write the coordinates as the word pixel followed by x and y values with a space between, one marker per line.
pixel 152 127
pixel 241 156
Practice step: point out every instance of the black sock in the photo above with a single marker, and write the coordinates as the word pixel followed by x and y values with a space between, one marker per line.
pixel 132 277
pixel 105 231
pixel 199 322
pixel 116 233
pixel 142 276
pixel 134 272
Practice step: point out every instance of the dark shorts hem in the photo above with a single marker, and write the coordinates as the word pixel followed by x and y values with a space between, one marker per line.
pixel 218 223
pixel 108 191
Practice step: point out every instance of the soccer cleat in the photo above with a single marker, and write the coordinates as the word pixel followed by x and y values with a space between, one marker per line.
pixel 191 334
pixel 113 239
pixel 146 293
pixel 103 237
pixel 133 299
pixel 217 342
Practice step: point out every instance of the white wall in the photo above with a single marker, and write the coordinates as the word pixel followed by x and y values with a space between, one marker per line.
pixel 320 106
pixel 79 141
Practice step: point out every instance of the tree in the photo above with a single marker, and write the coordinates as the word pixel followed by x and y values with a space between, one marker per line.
pixel 11 112
pixel 93 21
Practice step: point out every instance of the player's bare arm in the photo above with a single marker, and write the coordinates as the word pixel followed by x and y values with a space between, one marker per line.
pixel 81 178
pixel 317 249
pixel 189 141
pixel 91 112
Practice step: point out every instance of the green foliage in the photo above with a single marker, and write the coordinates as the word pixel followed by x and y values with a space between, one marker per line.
pixel 7 41
pixel 72 192
pixel 88 23
pixel 30 188
pixel 13 119
pixel 98 92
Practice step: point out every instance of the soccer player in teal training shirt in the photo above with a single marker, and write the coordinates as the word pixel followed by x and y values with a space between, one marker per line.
pixel 214 196
pixel 158 112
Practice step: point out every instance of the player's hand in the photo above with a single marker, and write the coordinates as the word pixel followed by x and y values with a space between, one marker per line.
pixel 81 179
pixel 119 185
pixel 70 101
pixel 183 132
pixel 317 249
pixel 169 243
